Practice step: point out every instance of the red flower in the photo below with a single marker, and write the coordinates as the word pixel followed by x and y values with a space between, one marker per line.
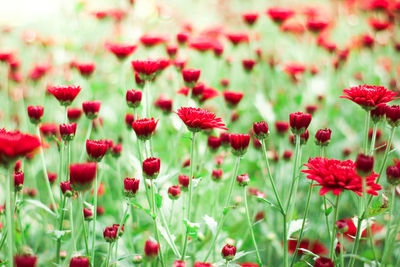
pixel 133 98
pixel 65 94
pixel 179 263
pixel 144 128
pixel 151 249
pixel 74 114
pixel 239 143
pixel 66 188
pixel 214 142
pixel 279 14
pixel 248 64
pixel 35 113
pixel 171 50
pixel 202 44
pixel 85 69
pixel 369 96
pixel 25 260
pixel 197 119
pixel 82 175
pixel 164 104
pixel 379 25
pixel 146 69
pixel 202 264
pixel 261 129
pixel 96 149
pixel 139 82
pixel 323 136
pixel 316 25
pixel 111 232
pixel 216 174
pixel 281 126
pixel 243 179
pixel 294 70
pixel 129 119
pixel 191 76
pixel 336 176
pixel 248 264
pixel 237 38
pixel 79 262
pixel 121 51
pixel 151 167
pixel 91 109
pixel 250 18
pixel 18 180
pixel 15 144
pixel 323 262
pixel 208 93
pixel 131 186
pixel 174 192
pixel 393 115
pixel 182 37
pixel 228 252
pixel 48 129
pixel 183 181
pixel 149 40
pixel 299 122
pixel 364 165
pixel 378 114
pixel 68 131
pixel 232 98
pixel 87 214
pixel 393 175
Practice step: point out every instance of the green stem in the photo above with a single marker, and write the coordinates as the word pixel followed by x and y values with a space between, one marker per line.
pixel 143 177
pixel 335 218
pixel 10 228
pixel 225 210
pixel 372 147
pixel 304 221
pixel 94 217
pixel 85 236
pixel 271 179
pixel 385 156
pixel 108 254
pixel 366 128
pixel 388 236
pixel 122 222
pixel 251 226
pixel 172 212
pixel 326 218
pixel 168 232
pixel 60 227
pixel 88 133
pixel 154 215
pixel 148 102
pixel 341 250
pixel 356 241
pixel 71 219
pixel 189 199
pixel 45 176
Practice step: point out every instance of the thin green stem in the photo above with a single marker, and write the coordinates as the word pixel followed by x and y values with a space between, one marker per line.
pixel 168 232
pixel 71 219
pixel 143 177
pixel 251 227
pixel 189 199
pixel 60 227
pixel 335 218
pixel 88 133
pixel 271 179
pixel 372 147
pixel 385 156
pixel 94 217
pixel 154 215
pixel 326 217
pixel 388 236
pixel 122 222
pixel 85 236
pixel 171 213
pixel 366 128
pixel 108 254
pixel 148 99
pixel 341 250
pixel 10 228
pixel 45 175
pixel 225 210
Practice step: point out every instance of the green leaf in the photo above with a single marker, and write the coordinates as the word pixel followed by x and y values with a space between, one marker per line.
pixel 158 200
pixel 378 207
pixel 40 205
pixel 137 205
pixel 192 228
pixel 328 210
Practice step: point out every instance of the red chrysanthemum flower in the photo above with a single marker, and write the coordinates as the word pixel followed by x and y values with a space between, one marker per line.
pixel 232 98
pixel 79 262
pixel 65 94
pixel 279 14
pixel 151 167
pixel 144 128
pixel 131 186
pixel 25 260
pixel 164 104
pixel 336 176
pixel 379 25
pixel 96 149
pixel 35 113
pixel 121 51
pixel 133 98
pixel 250 18
pixel 197 119
pixel 151 249
pixel 74 114
pixel 237 38
pixel 85 69
pixel 146 69
pixel 82 175
pixel 91 109
pixel 15 144
pixel 67 131
pixel 316 25
pixel 191 76
pixel 239 143
pixel 150 40
pixel 369 96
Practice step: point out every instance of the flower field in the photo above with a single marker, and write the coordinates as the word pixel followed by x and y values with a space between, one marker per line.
pixel 201 133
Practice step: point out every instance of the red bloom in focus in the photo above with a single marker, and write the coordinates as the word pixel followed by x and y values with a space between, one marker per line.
pixel 146 69
pixel 151 249
pixel 393 115
pixel 232 98
pixel 323 136
pixel 250 18
pixel 151 167
pixel 299 122
pixel 67 131
pixel 15 144
pixel 91 109
pixel 279 14
pixel 121 51
pixel 197 119
pixel 65 94
pixel 111 233
pixel 96 149
pixel 82 175
pixel 79 262
pixel 369 96
pixel 131 186
pixel 133 98
pixel 239 143
pixel 228 252
pixel 74 114
pixel 191 76
pixel 336 176
pixel 25 260
pixel 35 113
pixel 237 38
pixel 85 69
pixel 144 128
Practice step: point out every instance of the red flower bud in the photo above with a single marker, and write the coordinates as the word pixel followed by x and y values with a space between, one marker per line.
pixel 151 249
pixel 342 226
pixel 35 114
pixel 111 232
pixel 96 149
pixel 18 180
pixel 228 252
pixel 82 175
pixel 66 189
pixel 287 154
pixel 243 179
pixel 129 119
pixel 299 122
pixel 87 214
pixel 393 175
pixel 151 167
pixel 179 263
pixel 183 181
pixel 248 64
pixel 139 82
pixel 144 128
pixel 171 50
pixel 250 18
pixel 121 51
pixel 85 69
pixel 164 104
pixel 182 37
pixel 323 136
pixel 133 98
pixel 174 192
pixel 79 262
pixel 323 262
pixel 214 143
pixel 91 109
pixel 225 139
pixel 48 129
pixel 378 114
pixel 232 98
pixel 261 129
pixel 364 165
pixel 52 177
pixel 191 76
pixel 216 175
pixel 68 131
pixel 116 150
pixel 281 127
pixel 393 115
pixel 146 69
pixel 131 186
pixel 239 143
pixel 202 264
pixel 25 260
pixel 74 114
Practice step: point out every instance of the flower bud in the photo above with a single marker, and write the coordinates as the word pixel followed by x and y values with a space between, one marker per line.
pixel 25 260
pixel 66 189
pixel 322 137
pixel 239 143
pixel 214 143
pixel 179 263
pixel 18 180
pixel 133 98
pixel 281 127
pixel 174 192
pixel 183 181
pixel 261 130
pixel 131 186
pixel 216 175
pixel 91 109
pixel 137 259
pixel 393 115
pixel 116 150
pixel 299 122
pixel 243 179
pixel 393 175
pixel 96 149
pixel 191 76
pixel 82 175
pixel 364 165
pixel 228 252
pixel 378 114
pixel 151 167
pixel 323 262
pixel 151 249
pixel 67 131
pixel 35 114
pixel 342 226
pixel 74 114
pixel 87 214
pixel 79 262
pixel 144 128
